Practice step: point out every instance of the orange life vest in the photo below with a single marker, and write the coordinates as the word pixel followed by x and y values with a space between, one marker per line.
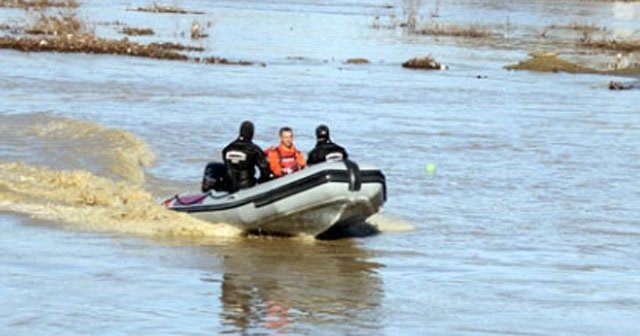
pixel 284 160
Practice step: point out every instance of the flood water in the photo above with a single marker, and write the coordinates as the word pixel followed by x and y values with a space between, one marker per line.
pixel 529 226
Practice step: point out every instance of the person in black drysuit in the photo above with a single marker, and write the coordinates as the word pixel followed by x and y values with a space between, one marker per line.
pixel 325 150
pixel 241 157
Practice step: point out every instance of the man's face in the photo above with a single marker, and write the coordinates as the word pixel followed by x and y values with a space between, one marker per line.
pixel 286 138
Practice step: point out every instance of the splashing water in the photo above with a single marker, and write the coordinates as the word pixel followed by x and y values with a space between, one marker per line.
pixel 386 223
pixel 81 198
pixel 125 154
pixel 94 203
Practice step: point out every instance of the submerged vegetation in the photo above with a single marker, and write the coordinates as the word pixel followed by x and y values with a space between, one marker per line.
pixel 155 8
pixel 224 61
pixel 65 32
pixel 357 60
pixel 628 46
pixel 39 3
pixel 175 46
pixel 64 23
pixel 593 43
pixel 468 31
pixel 137 31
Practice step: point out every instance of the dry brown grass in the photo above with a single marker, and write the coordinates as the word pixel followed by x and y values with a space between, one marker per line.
pixel 424 63
pixel 64 32
pixel 592 36
pixel 632 70
pixel 468 31
pixel 615 45
pixel 87 44
pixel 137 31
pixel 62 24
pixel 552 63
pixel 155 8
pixel 39 3
pixel 90 44
pixel 549 63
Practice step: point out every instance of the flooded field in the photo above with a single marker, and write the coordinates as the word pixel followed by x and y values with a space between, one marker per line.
pixel 512 194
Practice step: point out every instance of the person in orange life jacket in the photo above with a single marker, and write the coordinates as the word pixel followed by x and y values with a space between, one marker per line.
pixel 325 149
pixel 285 158
pixel 241 157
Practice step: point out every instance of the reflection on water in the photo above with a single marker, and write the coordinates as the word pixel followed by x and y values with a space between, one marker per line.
pixel 299 286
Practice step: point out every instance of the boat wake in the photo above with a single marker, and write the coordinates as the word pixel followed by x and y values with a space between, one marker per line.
pixel 65 143
pixel 80 198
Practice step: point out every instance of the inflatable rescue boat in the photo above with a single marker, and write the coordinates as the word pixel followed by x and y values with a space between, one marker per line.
pixel 306 202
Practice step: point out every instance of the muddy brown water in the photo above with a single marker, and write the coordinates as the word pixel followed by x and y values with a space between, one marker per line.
pixel 528 225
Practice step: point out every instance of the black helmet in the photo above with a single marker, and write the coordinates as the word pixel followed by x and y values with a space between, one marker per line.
pixel 246 130
pixel 322 132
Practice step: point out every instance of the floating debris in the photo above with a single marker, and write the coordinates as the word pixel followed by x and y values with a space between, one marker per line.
pixel 613 85
pixel 38 3
pixel 137 31
pixel 224 61
pixel 155 8
pixel 424 63
pixel 357 60
pixel 196 30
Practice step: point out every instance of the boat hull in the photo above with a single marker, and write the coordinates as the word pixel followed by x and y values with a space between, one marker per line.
pixel 308 202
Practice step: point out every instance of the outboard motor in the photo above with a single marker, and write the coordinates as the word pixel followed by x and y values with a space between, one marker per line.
pixel 215 177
